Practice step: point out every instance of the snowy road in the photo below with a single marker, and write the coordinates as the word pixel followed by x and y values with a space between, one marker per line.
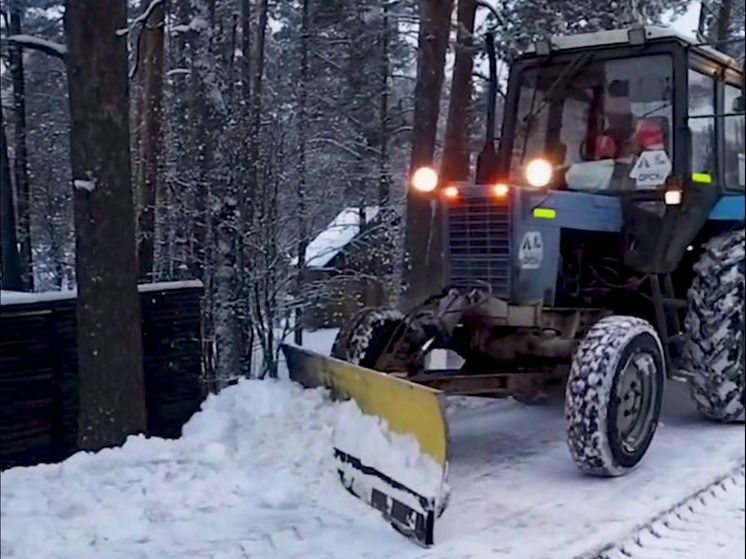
pixel 516 492
pixel 253 478
pixel 711 524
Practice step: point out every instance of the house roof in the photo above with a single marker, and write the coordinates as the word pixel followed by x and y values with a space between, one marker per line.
pixel 336 236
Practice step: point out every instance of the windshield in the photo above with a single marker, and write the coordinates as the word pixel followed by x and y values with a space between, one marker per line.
pixel 596 122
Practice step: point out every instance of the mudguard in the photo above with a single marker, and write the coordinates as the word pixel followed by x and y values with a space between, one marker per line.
pixel 410 491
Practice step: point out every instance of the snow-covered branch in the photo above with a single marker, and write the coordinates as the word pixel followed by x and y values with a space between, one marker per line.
pixel 178 72
pixel 196 24
pixel 47 47
pixel 141 19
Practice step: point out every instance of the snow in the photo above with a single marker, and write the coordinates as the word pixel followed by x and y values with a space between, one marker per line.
pixel 256 457
pixel 50 46
pixel 715 518
pixel 620 36
pixel 141 19
pixel 21 298
pixel 84 185
pixel 165 285
pixel 337 235
pixel 195 24
pixel 253 476
pixel 398 456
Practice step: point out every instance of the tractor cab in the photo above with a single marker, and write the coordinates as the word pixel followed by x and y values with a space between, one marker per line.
pixel 621 153
pixel 644 114
pixel 635 136
pixel 622 111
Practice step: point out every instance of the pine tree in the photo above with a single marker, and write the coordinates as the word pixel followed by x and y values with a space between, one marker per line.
pixel 110 365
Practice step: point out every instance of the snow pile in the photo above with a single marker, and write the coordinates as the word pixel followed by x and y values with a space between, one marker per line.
pixel 258 447
pixel 368 438
pixel 254 468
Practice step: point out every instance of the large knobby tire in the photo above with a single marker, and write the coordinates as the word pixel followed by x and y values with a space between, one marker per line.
pixel 362 340
pixel 714 350
pixel 613 395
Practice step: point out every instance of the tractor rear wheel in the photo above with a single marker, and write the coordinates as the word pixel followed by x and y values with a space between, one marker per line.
pixel 714 350
pixel 364 338
pixel 613 395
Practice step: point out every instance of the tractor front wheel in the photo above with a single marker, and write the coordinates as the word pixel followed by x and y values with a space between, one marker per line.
pixel 613 395
pixel 363 339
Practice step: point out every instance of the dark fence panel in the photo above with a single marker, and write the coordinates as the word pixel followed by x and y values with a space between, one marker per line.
pixel 39 377
pixel 171 335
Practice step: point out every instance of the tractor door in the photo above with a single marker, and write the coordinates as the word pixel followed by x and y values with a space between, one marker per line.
pixel 661 223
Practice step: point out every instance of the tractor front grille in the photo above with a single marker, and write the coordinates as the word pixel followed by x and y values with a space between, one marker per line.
pixel 479 239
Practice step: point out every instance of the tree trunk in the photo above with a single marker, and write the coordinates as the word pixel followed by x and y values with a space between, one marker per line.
pixel 455 163
pixel 301 192
pixel 246 49
pixel 423 235
pixel 384 184
pixel 11 264
pixel 200 149
pixel 218 199
pixel 256 96
pixel 722 29
pixel 150 143
pixel 23 200
pixel 110 366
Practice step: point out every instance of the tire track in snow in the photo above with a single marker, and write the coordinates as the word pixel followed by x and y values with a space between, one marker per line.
pixel 709 524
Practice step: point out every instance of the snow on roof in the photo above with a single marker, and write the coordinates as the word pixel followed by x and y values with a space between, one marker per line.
pixel 337 235
pixel 20 298
pixel 620 36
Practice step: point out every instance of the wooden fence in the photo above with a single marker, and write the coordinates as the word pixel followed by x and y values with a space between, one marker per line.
pixel 39 377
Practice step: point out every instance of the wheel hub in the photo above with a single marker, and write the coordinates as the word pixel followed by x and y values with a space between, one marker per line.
pixel 636 396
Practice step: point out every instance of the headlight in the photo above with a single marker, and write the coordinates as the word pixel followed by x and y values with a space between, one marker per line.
pixel 538 172
pixel 673 197
pixel 425 179
pixel 451 192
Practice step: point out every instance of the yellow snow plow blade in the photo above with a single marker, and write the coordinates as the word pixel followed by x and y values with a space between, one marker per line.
pixel 408 409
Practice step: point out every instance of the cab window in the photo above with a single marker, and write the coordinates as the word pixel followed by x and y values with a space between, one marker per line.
pixel 702 123
pixel 593 120
pixel 734 140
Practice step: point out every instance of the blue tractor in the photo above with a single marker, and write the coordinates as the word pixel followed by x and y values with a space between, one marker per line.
pixel 600 246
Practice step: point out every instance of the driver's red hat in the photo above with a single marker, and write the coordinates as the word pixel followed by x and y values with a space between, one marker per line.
pixel 649 133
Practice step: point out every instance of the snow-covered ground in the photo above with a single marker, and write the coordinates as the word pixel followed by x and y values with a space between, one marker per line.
pixel 253 477
pixel 712 520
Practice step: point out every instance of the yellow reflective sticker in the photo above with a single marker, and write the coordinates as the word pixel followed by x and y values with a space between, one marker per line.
pixel 545 213
pixel 705 178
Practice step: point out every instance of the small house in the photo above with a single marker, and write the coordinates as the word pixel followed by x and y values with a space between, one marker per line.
pixel 347 266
